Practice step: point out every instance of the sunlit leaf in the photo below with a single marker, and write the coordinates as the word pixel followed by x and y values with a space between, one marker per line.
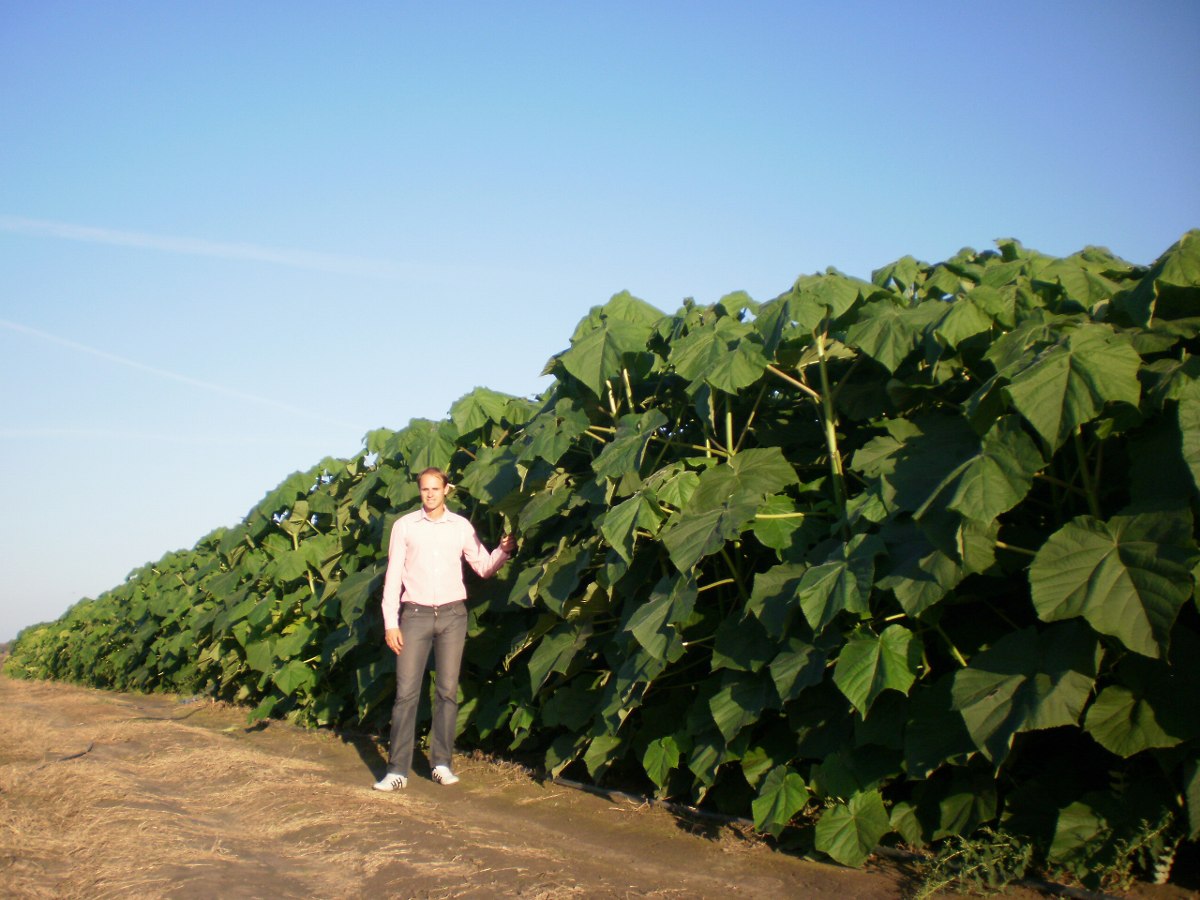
pixel 783 794
pixel 478 408
pixel 1123 576
pixel 1070 383
pixel 850 832
pixel 871 664
pixel 601 353
pixel 724 354
pixel 841 584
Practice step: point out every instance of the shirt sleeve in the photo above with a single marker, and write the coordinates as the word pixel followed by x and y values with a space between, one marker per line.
pixel 485 564
pixel 393 580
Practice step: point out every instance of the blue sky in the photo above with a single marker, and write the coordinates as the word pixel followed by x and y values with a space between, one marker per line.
pixel 235 237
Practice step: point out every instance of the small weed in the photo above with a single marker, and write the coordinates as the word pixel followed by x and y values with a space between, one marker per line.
pixel 982 863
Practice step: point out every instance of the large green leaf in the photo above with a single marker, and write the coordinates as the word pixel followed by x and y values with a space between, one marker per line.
pixel 478 408
pixel 622 307
pixel 725 355
pixel 561 578
pixel 798 666
pixel 356 591
pixel 295 676
pixel 1171 289
pixel 991 481
pixel 602 752
pixel 1189 426
pixel 964 319
pixel 773 599
pixel 888 331
pixel 661 758
pixel 492 475
pixel 783 794
pixel 777 521
pixel 623 454
pixel 260 655
pixel 551 433
pixel 918 574
pixel 296 640
pixel 601 353
pixel 850 832
pixel 750 475
pixel 1070 383
pixel 739 703
pixel 1125 723
pixel 424 444
pixel 1127 577
pixel 828 294
pixel 619 525
pixel 1151 704
pixel 840 584
pixel 671 602
pixel 1028 681
pixel 554 653
pixel 871 664
pixel 692 536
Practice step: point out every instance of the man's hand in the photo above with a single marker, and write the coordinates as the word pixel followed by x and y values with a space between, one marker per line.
pixel 394 639
pixel 508 544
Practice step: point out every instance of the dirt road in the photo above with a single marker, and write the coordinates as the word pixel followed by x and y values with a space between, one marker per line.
pixel 120 795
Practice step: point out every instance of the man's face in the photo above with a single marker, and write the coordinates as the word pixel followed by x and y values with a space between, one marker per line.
pixel 433 495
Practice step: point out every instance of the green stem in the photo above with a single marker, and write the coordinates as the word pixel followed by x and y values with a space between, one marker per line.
pixel 835 458
pixel 1058 482
pixel 1012 549
pixel 628 388
pixel 712 416
pixel 729 445
pixel 737 575
pixel 707 450
pixel 750 419
pixel 1086 473
pixel 953 650
pixel 715 584
pixel 796 383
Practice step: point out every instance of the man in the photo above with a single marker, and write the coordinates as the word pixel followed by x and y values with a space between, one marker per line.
pixel 424 606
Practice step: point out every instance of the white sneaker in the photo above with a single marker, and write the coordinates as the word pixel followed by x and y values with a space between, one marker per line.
pixel 443 775
pixel 391 782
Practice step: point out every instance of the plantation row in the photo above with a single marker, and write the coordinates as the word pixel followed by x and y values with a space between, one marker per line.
pixel 905 558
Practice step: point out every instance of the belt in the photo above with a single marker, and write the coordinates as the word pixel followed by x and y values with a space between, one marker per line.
pixel 432 607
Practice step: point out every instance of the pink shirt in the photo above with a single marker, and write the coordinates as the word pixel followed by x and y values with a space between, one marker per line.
pixel 425 561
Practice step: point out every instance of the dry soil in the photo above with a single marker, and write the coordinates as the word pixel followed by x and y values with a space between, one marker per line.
pixel 122 795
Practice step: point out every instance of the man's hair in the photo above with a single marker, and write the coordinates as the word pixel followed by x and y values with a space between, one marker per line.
pixel 434 470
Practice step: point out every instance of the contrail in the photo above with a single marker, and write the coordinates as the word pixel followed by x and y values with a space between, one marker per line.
pixel 324 262
pixel 166 373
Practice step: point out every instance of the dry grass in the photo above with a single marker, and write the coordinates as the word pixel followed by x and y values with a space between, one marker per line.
pixel 104 795
pixel 117 821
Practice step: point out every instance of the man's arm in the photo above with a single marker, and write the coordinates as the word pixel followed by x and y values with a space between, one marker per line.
pixel 393 580
pixel 485 564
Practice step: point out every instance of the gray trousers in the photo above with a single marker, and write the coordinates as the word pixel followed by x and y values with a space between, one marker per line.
pixel 444 630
